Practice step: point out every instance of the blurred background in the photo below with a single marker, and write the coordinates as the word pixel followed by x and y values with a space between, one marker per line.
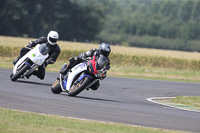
pixel 161 24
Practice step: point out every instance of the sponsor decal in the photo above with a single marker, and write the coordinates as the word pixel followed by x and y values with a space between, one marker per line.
pixel 82 65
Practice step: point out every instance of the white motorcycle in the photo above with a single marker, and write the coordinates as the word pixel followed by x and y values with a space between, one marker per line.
pixel 30 61
pixel 81 76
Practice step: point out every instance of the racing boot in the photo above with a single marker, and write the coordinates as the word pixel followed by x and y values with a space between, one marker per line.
pixel 38 74
pixel 95 86
pixel 28 76
pixel 16 60
pixel 64 69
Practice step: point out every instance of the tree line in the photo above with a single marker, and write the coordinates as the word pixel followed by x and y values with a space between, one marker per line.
pixel 34 18
pixel 166 18
pixel 165 24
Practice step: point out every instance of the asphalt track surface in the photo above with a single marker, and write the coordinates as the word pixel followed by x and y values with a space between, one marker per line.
pixel 120 100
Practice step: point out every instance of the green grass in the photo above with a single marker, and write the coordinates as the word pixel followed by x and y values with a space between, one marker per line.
pixel 26 122
pixel 187 100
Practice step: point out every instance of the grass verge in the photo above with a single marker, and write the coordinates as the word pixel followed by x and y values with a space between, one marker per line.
pixel 24 122
pixel 187 100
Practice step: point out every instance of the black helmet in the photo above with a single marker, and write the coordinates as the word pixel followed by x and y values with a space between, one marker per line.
pixel 105 49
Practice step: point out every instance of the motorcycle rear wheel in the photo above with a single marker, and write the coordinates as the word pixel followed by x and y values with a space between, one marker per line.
pixel 79 87
pixel 19 73
pixel 56 88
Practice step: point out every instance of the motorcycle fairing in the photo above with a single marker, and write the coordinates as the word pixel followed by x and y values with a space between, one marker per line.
pixel 40 57
pixel 75 71
pixel 92 65
pixel 34 55
pixel 64 84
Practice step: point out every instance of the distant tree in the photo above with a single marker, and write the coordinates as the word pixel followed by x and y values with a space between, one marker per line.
pixel 195 14
pixel 185 10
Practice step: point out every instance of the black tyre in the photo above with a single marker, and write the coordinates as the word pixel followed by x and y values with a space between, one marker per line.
pixel 19 73
pixel 76 89
pixel 56 88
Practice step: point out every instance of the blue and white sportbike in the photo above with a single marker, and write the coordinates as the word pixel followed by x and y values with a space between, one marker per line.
pixel 81 77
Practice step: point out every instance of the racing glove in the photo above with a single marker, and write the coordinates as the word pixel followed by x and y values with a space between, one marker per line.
pixel 46 63
pixel 97 53
pixel 82 55
pixel 30 44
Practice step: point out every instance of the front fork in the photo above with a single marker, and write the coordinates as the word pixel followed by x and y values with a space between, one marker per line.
pixel 31 70
pixel 32 67
pixel 61 82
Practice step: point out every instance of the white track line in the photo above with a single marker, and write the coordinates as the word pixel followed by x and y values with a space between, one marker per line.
pixel 156 98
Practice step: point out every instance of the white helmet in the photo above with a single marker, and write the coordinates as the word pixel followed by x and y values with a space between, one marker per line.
pixel 52 37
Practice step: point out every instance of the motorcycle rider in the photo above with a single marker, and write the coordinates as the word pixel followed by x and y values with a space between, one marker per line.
pixel 104 49
pixel 54 52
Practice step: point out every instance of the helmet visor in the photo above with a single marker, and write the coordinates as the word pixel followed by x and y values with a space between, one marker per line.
pixel 105 53
pixel 102 62
pixel 53 40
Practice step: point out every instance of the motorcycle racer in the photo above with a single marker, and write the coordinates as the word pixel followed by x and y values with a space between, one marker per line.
pixel 103 49
pixel 54 52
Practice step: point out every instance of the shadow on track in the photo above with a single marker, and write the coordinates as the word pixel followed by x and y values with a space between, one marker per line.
pixel 32 82
pixel 90 98
pixel 99 99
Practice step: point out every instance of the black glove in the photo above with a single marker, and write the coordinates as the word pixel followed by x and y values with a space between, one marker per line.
pixel 97 53
pixel 82 55
pixel 46 63
pixel 30 44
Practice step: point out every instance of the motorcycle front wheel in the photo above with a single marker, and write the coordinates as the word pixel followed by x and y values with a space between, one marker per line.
pixel 56 88
pixel 77 88
pixel 19 73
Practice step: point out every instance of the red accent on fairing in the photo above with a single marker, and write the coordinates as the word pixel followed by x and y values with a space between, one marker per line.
pixel 94 65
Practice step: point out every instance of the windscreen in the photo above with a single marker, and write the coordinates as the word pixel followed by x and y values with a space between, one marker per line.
pixel 44 49
pixel 102 62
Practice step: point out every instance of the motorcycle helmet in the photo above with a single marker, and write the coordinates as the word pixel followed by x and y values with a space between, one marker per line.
pixel 52 37
pixel 105 49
